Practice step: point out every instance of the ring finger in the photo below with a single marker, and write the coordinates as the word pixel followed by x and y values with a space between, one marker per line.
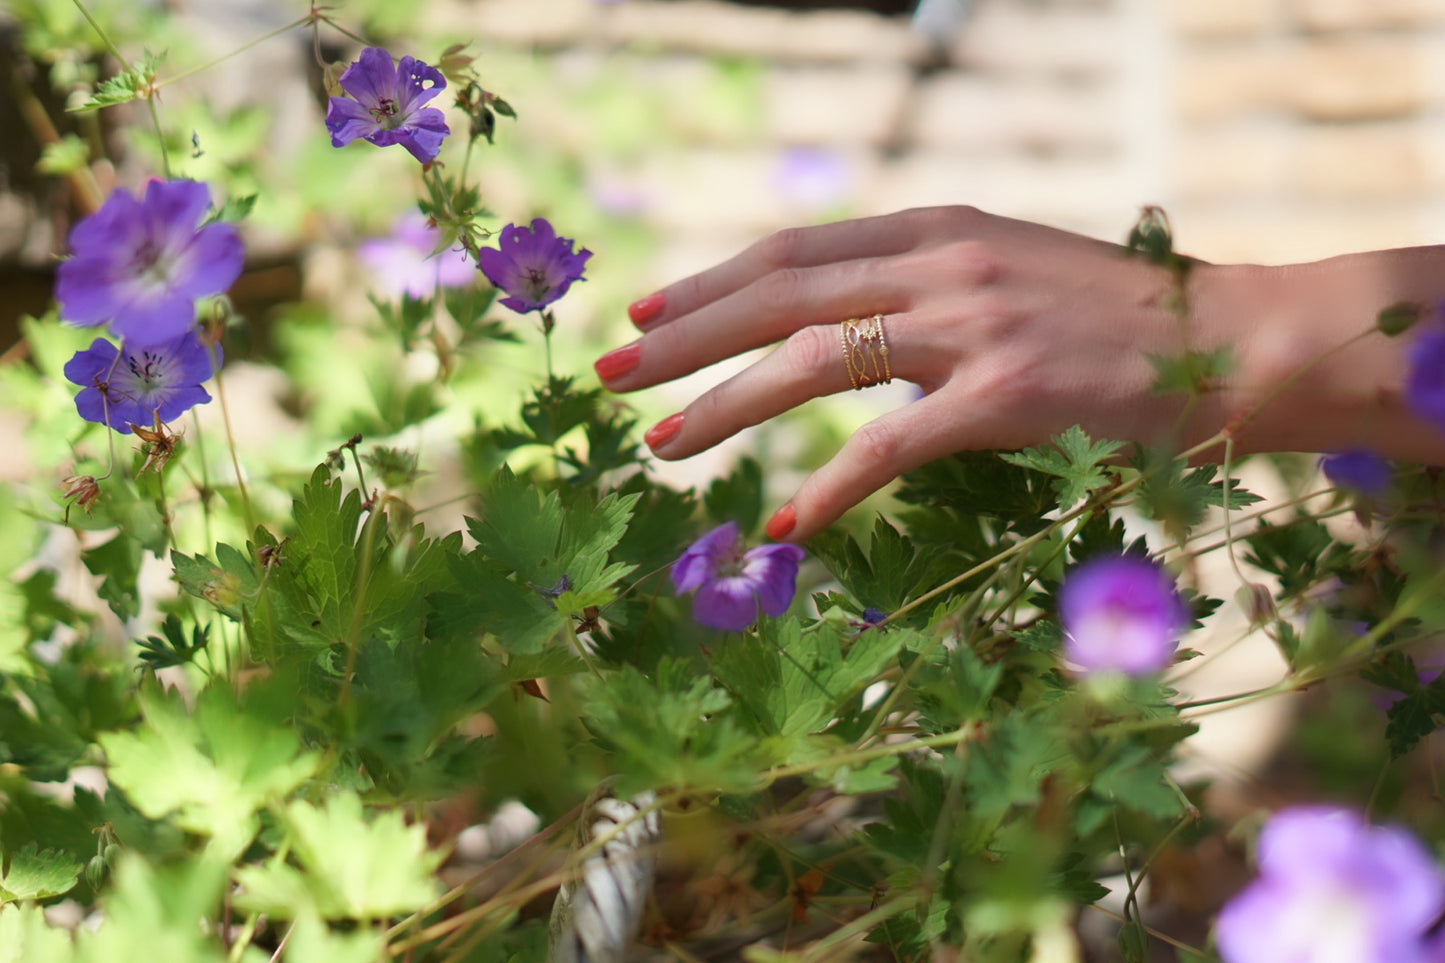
pixel 814 361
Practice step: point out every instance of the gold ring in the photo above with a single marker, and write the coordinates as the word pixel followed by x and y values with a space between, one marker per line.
pixel 865 352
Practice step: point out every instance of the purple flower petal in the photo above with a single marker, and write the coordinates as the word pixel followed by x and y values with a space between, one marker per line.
pixel 142 264
pixel 532 265
pixel 141 384
pixel 773 570
pixel 1425 377
pixel 733 586
pixel 387 105
pixel 726 603
pixel 1120 614
pixel 1333 887
pixel 1359 471
pixel 403 262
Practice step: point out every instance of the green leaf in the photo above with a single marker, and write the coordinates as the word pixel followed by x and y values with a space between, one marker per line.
pixel 737 496
pixel 117 562
pixel 172 648
pixel 138 81
pixel 1196 372
pixel 350 866
pixel 888 574
pixel 1075 460
pixel 1179 496
pixel 30 873
pixel 312 942
pixel 160 913
pixel 675 730
pixel 211 770
pixel 791 682
pixel 25 937
pixel 63 157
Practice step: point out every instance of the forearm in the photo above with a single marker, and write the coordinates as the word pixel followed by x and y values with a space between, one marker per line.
pixel 1312 371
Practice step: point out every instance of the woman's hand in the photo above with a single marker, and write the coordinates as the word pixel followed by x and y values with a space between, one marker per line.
pixel 1014 331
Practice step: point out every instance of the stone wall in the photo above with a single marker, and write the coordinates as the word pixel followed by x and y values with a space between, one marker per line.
pixel 1270 129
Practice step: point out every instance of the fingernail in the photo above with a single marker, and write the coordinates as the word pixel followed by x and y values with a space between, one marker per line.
pixel 645 309
pixel 662 432
pixel 615 364
pixel 782 522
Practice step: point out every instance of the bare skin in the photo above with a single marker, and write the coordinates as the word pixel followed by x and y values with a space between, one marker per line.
pixel 1015 331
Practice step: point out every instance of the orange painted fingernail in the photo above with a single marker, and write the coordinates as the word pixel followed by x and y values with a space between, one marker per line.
pixel 645 309
pixel 615 364
pixel 782 522
pixel 662 432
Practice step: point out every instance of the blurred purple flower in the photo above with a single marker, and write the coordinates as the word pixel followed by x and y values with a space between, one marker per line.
pixel 403 262
pixel 141 263
pixel 140 385
pixel 533 265
pixel 1359 471
pixel 1333 887
pixel 812 178
pixel 733 585
pixel 387 108
pixel 1425 377
pixel 1120 614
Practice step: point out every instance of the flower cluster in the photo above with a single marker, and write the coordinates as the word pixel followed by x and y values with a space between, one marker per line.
pixel 733 586
pixel 140 264
pixel 1120 614
pixel 1333 887
pixel 387 105
pixel 532 265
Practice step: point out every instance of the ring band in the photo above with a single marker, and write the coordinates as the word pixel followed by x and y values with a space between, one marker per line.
pixel 865 352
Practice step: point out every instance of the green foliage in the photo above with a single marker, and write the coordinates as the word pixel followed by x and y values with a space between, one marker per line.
pixel 137 81
pixel 1076 462
pixel 347 866
pixel 28 874
pixel 352 662
pixel 211 770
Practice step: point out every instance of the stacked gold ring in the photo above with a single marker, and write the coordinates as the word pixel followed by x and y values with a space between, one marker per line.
pixel 865 352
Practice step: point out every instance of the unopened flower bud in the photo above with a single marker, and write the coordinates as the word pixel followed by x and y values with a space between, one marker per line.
pixel 1398 318
pixel 1257 601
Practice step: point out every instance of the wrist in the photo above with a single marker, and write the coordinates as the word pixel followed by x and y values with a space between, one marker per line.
pixel 1311 370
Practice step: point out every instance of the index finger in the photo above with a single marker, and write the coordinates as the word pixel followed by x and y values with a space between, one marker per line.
pixel 798 247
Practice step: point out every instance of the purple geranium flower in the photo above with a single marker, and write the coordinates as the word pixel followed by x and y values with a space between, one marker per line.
pixel 733 585
pixel 1359 471
pixel 1120 614
pixel 1425 379
pixel 140 385
pixel 1333 887
pixel 141 263
pixel 533 265
pixel 387 108
pixel 404 262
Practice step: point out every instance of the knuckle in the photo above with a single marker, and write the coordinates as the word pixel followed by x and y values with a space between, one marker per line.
pixel 876 443
pixel 807 351
pixel 780 249
pixel 782 288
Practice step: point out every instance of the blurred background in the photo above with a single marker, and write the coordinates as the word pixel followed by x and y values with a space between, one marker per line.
pixel 667 135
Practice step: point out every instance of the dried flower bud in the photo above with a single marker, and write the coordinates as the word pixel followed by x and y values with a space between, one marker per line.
pixel 80 490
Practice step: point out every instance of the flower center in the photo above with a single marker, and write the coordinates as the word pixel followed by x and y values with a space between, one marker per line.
pixel 148 368
pixel 537 283
pixel 386 112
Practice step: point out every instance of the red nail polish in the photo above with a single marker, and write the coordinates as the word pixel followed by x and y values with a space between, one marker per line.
pixel 645 309
pixel 782 522
pixel 662 432
pixel 615 364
